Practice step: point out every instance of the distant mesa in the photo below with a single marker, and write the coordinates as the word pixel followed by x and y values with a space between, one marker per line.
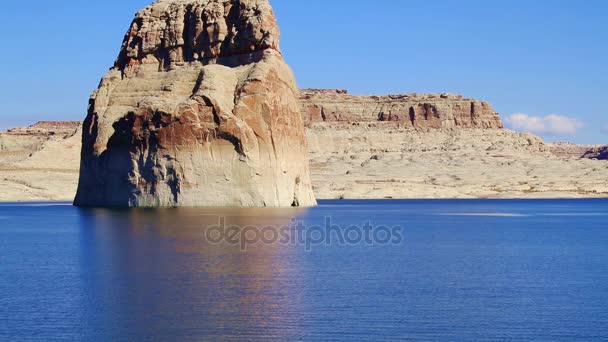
pixel 570 150
pixel 46 128
pixel 600 153
pixel 409 110
pixel 200 109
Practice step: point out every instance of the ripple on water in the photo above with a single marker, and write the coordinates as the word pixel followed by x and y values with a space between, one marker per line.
pixel 485 214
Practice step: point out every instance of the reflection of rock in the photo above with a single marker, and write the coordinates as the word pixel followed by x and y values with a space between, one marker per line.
pixel 199 110
pixel 160 261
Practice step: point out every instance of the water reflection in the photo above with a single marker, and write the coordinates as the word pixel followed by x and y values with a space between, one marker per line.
pixel 157 276
pixel 102 275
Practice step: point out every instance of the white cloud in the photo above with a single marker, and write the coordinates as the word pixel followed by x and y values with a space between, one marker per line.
pixel 552 124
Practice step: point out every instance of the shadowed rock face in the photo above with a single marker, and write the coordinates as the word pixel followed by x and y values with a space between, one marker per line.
pixel 570 150
pixel 600 153
pixel 199 110
pixel 406 110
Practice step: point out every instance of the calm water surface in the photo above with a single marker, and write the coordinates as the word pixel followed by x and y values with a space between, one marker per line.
pixel 465 270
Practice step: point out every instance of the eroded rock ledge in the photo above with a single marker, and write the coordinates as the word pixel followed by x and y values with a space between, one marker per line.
pixel 408 110
pixel 19 143
pixel 170 33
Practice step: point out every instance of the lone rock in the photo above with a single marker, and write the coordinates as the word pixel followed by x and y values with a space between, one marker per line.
pixel 199 110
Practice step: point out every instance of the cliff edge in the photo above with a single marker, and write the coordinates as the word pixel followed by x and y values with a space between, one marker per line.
pixel 406 110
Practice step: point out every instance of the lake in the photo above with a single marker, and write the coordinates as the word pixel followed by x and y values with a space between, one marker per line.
pixel 447 270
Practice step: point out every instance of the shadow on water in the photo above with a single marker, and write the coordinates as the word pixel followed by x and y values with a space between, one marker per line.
pixel 156 275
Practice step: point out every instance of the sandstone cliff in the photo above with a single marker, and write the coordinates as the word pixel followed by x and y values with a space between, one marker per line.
pixel 600 153
pixel 17 144
pixel 407 110
pixel 40 162
pixel 199 110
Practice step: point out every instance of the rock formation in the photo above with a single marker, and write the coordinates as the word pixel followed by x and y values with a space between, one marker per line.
pixel 17 144
pixel 40 162
pixel 570 150
pixel 359 160
pixel 600 153
pixel 373 160
pixel 46 128
pixel 199 110
pixel 435 146
pixel 408 110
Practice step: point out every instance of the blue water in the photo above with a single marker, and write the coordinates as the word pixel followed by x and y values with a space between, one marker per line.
pixel 464 270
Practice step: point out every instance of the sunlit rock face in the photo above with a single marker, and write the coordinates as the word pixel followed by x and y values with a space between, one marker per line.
pixel 432 111
pixel 200 109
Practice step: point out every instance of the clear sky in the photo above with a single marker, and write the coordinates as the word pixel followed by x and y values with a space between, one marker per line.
pixel 544 60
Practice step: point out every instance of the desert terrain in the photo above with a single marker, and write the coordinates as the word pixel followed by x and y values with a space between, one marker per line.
pixel 361 160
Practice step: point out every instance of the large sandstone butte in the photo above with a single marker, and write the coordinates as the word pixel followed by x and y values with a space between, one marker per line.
pixel 407 110
pixel 199 110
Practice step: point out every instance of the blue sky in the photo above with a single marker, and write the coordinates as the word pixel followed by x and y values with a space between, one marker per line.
pixel 545 60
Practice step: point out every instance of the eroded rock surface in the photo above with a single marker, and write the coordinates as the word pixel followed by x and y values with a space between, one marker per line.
pixel 407 110
pixel 570 150
pixel 40 162
pixel 364 160
pixel 380 160
pixel 18 143
pixel 199 110
pixel 600 153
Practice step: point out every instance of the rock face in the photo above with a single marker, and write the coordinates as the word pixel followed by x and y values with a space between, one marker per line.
pixel 570 150
pixel 600 153
pixel 40 162
pixel 357 160
pixel 46 128
pixel 18 143
pixel 406 110
pixel 199 110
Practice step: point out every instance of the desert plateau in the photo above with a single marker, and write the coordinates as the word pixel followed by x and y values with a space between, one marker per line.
pixel 363 147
